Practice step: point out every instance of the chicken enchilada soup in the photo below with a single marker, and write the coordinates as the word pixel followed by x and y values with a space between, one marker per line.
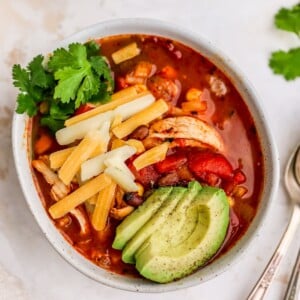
pixel 145 155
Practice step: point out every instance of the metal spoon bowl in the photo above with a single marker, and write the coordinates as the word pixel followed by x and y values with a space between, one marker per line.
pixel 292 184
pixel 292 176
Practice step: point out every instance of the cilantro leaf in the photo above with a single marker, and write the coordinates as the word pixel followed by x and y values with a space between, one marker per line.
pixel 39 76
pixel 92 48
pixel 51 123
pixel 80 80
pixel 102 96
pixel 73 57
pixel 88 88
pixel 21 78
pixel 61 111
pixel 289 19
pixel 101 67
pixel 286 63
pixel 58 113
pixel 60 59
pixel 30 94
pixel 69 81
pixel 25 104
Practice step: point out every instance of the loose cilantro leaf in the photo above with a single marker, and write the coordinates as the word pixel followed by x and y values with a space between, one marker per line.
pixel 289 19
pixel 286 63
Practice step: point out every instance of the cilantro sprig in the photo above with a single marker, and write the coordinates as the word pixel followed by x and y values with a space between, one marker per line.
pixel 289 19
pixel 33 83
pixel 287 63
pixel 71 77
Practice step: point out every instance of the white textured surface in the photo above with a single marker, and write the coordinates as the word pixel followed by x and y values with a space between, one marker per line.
pixel 31 269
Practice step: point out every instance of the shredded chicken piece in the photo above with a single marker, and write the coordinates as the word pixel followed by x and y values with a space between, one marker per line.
pixel 121 213
pixel 187 128
pixel 142 71
pixel 217 86
pixel 119 202
pixel 150 142
pixel 64 221
pixel 100 257
pixel 164 88
pixel 176 111
pixel 187 143
pixel 82 220
pixel 58 190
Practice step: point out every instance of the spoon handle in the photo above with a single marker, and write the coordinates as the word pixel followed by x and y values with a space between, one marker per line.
pixel 294 283
pixel 266 278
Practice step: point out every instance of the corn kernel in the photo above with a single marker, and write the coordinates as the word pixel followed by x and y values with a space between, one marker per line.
pixel 230 201
pixel 193 94
pixel 194 106
pixel 140 190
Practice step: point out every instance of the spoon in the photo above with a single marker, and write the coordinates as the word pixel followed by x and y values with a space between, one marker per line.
pixel 294 283
pixel 292 184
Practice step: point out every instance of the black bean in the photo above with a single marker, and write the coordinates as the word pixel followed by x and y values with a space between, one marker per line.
pixel 133 199
pixel 140 133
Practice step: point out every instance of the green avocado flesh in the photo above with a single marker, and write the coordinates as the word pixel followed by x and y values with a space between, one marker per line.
pixel 153 224
pixel 128 228
pixel 181 235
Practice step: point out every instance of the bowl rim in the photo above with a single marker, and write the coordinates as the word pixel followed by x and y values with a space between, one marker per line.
pixel 250 97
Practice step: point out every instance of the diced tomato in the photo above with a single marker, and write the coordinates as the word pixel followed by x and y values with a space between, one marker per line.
pixel 171 162
pixel 121 83
pixel 239 177
pixel 212 179
pixel 168 72
pixel 43 144
pixel 146 176
pixel 202 163
pixel 83 108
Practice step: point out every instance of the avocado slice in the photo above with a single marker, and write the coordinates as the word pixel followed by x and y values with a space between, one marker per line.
pixel 165 256
pixel 128 228
pixel 155 222
pixel 182 228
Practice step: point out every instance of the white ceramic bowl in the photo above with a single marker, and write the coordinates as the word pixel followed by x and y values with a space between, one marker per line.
pixel 22 153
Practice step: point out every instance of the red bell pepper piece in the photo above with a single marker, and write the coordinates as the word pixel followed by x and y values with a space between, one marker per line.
pixel 83 108
pixel 171 162
pixel 146 176
pixel 239 177
pixel 202 163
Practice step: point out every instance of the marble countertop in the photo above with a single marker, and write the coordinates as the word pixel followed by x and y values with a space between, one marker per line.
pixel 244 31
